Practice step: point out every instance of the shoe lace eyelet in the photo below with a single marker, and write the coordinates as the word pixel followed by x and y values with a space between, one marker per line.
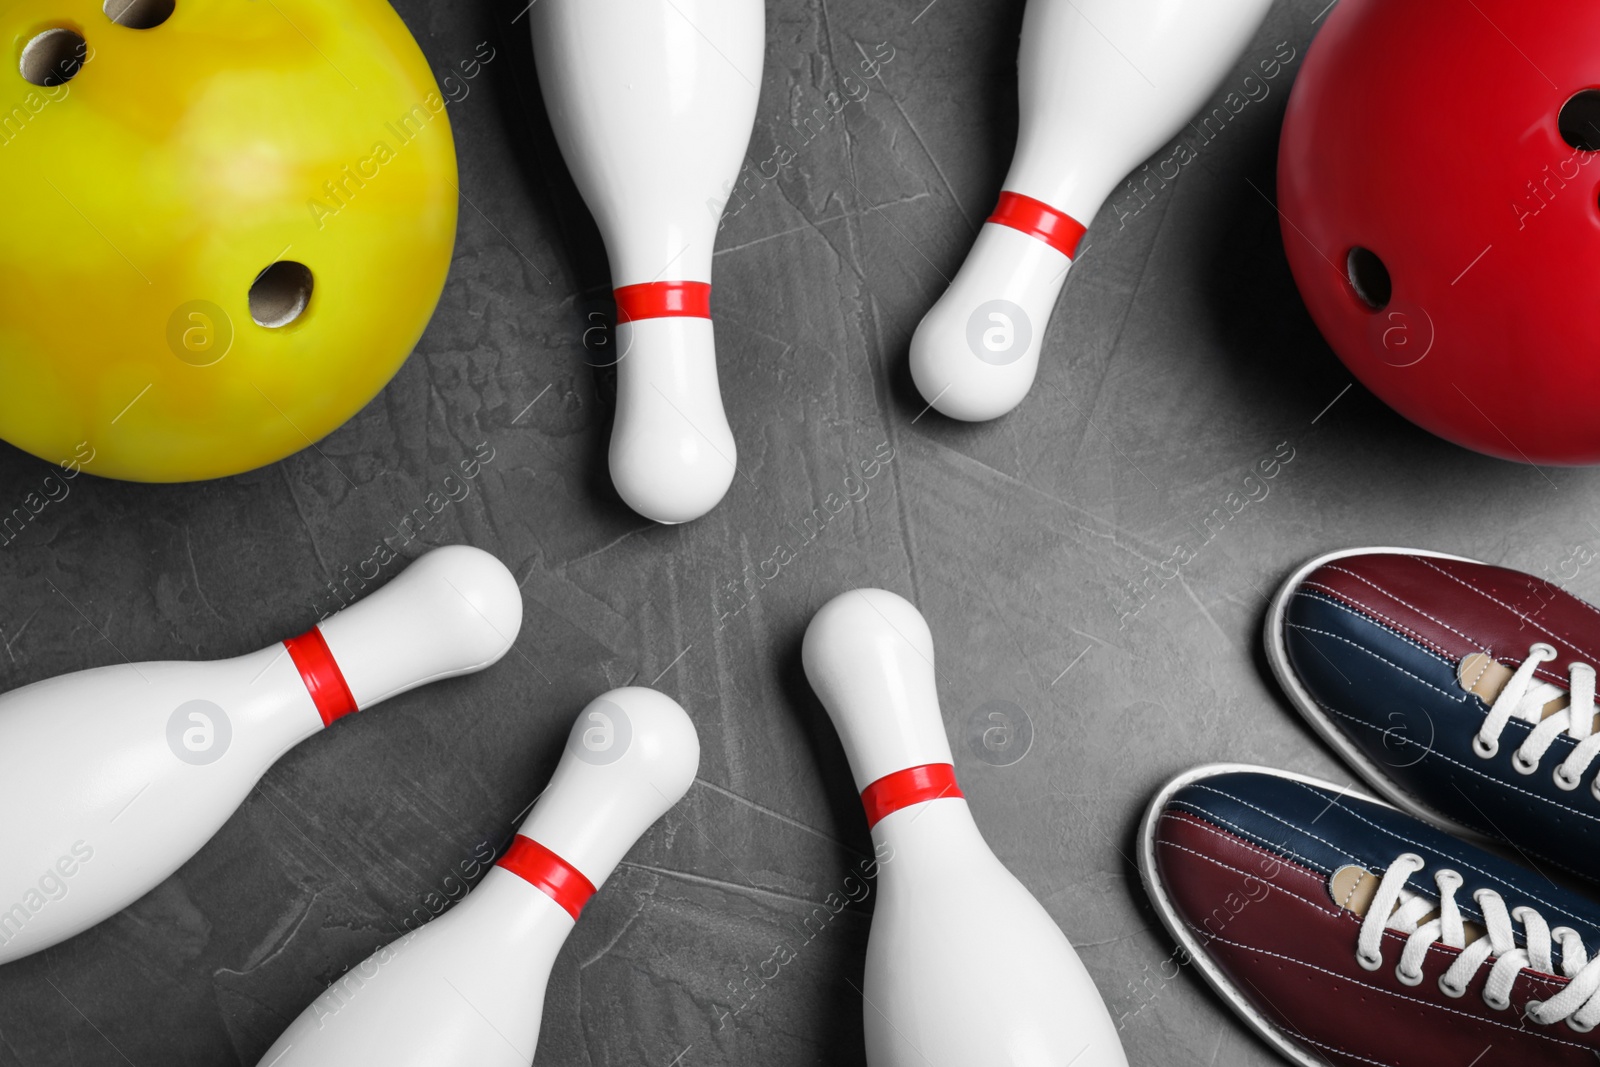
pixel 1451 991
pixel 1543 649
pixel 1530 1012
pixel 1369 963
pixel 1577 1027
pixel 1522 764
pixel 1484 747
pixel 1497 1005
pixel 1407 979
pixel 1562 781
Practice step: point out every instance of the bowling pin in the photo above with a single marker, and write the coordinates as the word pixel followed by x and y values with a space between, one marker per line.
pixel 652 102
pixel 111 778
pixel 964 967
pixel 1101 84
pixel 467 990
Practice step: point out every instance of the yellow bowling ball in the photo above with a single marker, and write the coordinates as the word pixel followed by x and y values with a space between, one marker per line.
pixel 226 223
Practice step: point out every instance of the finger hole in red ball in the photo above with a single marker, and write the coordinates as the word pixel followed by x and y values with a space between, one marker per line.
pixel 1369 278
pixel 1579 120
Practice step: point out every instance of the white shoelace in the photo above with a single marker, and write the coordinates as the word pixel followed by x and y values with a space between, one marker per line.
pixel 1578 1004
pixel 1576 720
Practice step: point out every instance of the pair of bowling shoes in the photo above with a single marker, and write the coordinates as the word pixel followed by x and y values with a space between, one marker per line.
pixel 1354 931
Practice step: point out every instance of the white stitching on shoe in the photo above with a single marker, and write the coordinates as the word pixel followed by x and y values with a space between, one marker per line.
pixel 1328 595
pixel 1211 816
pixel 1459 697
pixel 1248 874
pixel 1555 676
pixel 1542 1035
pixel 1458 860
pixel 1399 600
pixel 1467 909
pixel 1401 631
pixel 1343 1052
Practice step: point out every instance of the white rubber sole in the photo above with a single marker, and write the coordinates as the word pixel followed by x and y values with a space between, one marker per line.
pixel 1372 773
pixel 1180 931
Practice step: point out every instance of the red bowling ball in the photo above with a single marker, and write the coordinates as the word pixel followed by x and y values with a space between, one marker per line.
pixel 1439 192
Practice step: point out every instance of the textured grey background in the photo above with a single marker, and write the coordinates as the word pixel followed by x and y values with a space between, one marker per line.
pixel 1180 357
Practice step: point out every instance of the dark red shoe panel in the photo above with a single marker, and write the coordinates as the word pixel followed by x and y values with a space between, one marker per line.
pixel 1270 926
pixel 1456 607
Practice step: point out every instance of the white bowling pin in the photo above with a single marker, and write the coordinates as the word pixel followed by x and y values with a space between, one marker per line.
pixel 467 990
pixel 652 102
pixel 1101 84
pixel 111 778
pixel 964 967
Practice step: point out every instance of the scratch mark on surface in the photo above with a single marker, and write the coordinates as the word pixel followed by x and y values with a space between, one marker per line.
pixel 943 180
pixel 1081 945
pixel 1071 665
pixel 723 884
pixel 643 901
pixel 605 547
pixel 890 426
pixel 316 549
pixel 838 252
pixel 1187 589
pixel 1092 402
pixel 780 816
pixel 671 665
pixel 283 942
pixel 14 638
pixel 88 1020
pixel 1135 539
pixel 815 224
pixel 744 324
pixel 1100 641
pixel 188 545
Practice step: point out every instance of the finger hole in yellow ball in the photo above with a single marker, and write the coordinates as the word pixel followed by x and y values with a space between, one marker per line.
pixel 280 294
pixel 53 57
pixel 139 14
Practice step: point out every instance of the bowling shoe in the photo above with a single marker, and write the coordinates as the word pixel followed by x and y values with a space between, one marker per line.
pixel 1347 932
pixel 1463 693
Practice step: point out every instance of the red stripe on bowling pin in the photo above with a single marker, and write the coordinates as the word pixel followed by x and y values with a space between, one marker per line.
pixel 324 680
pixel 1039 220
pixel 660 300
pixel 549 873
pixel 904 788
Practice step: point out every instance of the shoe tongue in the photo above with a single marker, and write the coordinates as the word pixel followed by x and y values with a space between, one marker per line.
pixel 1480 673
pixel 1353 888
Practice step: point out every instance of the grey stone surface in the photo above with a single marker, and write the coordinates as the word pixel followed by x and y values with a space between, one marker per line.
pixel 1179 359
